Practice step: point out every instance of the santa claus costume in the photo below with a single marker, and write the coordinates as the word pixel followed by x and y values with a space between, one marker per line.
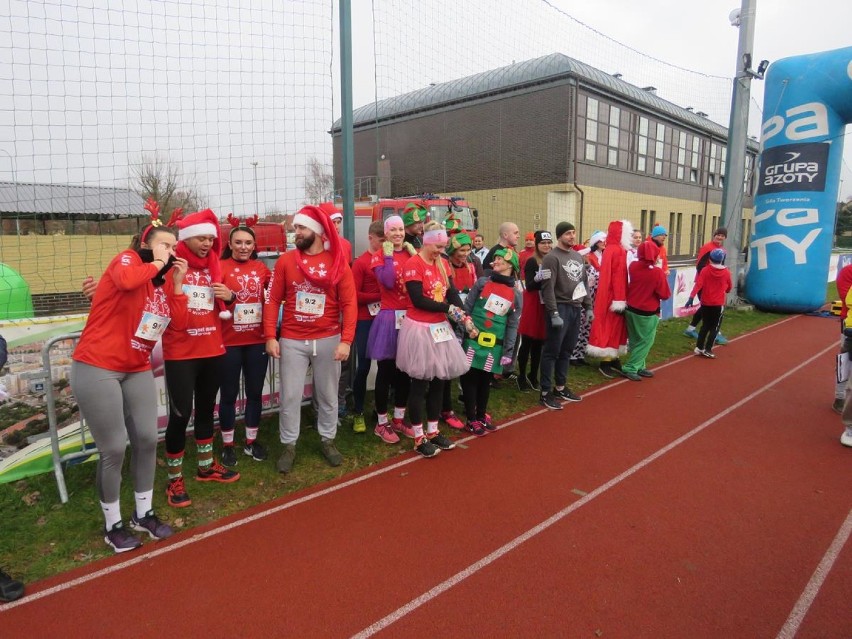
pixel 608 336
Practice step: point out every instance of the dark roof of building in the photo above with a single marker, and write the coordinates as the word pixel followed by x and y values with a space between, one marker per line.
pixel 549 68
pixel 96 202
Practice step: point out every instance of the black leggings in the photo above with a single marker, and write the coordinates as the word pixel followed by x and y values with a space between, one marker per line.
pixel 433 391
pixel 476 385
pixel 386 374
pixel 188 379
pixel 530 349
pixel 711 322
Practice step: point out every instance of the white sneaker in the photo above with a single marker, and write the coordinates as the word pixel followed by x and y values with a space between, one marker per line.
pixel 697 351
pixel 846 437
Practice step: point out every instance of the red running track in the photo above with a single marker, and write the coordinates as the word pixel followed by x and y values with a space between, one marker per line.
pixel 712 501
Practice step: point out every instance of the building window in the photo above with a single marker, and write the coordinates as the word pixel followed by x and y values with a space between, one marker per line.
pixel 711 179
pixel 693 175
pixel 590 151
pixel 612 157
pixel 643 221
pixel 640 164
pixel 592 109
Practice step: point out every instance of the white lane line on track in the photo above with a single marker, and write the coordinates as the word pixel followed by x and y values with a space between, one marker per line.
pixel 141 558
pixel 797 615
pixel 460 576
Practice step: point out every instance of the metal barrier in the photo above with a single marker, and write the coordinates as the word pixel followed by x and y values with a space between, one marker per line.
pixel 86 450
pixel 58 458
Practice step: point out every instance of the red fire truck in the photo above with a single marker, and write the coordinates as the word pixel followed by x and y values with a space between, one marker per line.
pixel 438 208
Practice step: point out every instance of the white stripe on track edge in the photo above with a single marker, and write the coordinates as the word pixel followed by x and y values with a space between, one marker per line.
pixel 141 558
pixel 797 615
pixel 460 576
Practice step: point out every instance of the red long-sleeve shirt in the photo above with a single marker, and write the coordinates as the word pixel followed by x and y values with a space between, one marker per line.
pixel 310 312
pixel 366 286
pixel 713 283
pixel 202 336
pixel 248 280
pixel 111 338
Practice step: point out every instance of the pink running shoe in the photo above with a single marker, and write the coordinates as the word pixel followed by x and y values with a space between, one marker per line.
pixel 452 420
pixel 477 428
pixel 488 424
pixel 400 427
pixel 384 432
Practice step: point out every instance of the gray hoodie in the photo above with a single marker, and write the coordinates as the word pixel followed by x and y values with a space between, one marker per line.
pixel 568 271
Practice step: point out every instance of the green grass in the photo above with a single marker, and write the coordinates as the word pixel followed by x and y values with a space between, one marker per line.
pixel 41 537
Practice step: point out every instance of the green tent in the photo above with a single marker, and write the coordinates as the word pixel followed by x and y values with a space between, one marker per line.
pixel 16 302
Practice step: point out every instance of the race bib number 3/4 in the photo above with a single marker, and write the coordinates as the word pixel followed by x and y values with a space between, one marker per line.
pixel 152 326
pixel 374 308
pixel 441 332
pixel 579 291
pixel 199 297
pixel 400 315
pixel 248 313
pixel 497 305
pixel 310 303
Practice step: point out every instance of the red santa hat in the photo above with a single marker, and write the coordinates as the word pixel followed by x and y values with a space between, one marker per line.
pixel 318 221
pixel 332 211
pixel 203 223
pixel 200 223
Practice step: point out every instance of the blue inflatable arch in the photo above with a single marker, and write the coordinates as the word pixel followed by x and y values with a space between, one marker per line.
pixel 806 106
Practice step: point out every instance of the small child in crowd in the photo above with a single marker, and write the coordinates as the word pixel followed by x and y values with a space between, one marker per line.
pixel 713 283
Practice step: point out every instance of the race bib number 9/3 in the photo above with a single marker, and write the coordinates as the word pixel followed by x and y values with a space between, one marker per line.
pixel 199 297
pixel 310 303
pixel 441 332
pixel 248 313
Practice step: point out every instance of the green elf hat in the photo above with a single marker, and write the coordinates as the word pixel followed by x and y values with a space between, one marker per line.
pixel 413 214
pixel 510 256
pixel 457 241
pixel 453 225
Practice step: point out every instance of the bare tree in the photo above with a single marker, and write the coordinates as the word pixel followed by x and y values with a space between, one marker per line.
pixel 319 182
pixel 163 180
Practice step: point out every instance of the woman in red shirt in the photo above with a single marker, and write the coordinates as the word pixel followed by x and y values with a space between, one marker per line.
pixel 245 349
pixel 531 328
pixel 428 350
pixel 388 266
pixel 193 356
pixel 112 379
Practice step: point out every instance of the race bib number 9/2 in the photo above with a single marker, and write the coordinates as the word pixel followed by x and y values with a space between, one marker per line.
pixel 310 303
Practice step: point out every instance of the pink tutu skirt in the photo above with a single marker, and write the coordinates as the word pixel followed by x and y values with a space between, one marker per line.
pixel 419 355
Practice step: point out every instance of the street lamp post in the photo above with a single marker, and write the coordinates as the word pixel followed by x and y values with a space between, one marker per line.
pixel 256 198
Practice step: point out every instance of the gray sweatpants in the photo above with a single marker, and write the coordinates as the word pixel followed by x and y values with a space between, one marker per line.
pixel 296 355
pixel 117 407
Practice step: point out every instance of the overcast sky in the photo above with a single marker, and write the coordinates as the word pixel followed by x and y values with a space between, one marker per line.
pixel 88 87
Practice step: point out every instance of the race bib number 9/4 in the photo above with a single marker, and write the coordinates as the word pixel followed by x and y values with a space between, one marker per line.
pixel 199 297
pixel 441 332
pixel 310 303
pixel 248 313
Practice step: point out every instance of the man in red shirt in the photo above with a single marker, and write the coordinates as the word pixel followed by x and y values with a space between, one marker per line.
pixel 315 286
pixel 369 304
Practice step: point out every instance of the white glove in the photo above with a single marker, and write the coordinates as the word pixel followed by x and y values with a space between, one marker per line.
pixel 542 274
pixel 556 320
